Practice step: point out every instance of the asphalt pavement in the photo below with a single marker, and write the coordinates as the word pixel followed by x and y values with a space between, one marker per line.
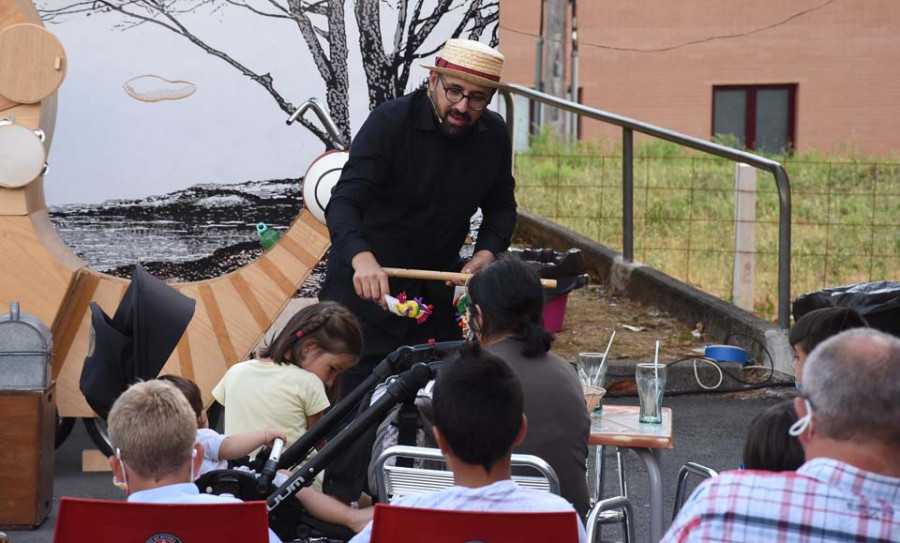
pixel 709 429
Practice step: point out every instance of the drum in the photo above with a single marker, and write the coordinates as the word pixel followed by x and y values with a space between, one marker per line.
pixel 22 155
pixel 320 179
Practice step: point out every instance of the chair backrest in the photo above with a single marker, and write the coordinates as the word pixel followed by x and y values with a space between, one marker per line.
pixel 681 485
pixel 392 480
pixel 102 521
pixel 393 524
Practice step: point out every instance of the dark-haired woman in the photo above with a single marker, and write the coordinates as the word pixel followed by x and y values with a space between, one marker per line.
pixel 506 302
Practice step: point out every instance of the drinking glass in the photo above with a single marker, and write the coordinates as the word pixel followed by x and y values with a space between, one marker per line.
pixel 651 382
pixel 592 373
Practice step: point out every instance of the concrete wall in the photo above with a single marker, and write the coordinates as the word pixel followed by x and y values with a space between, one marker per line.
pixel 721 320
pixel 844 58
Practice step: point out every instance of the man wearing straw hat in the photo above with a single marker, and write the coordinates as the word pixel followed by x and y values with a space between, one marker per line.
pixel 419 168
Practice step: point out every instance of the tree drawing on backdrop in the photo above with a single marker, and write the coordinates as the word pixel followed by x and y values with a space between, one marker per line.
pixel 321 25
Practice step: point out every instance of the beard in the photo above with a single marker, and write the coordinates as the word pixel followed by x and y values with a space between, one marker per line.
pixel 450 130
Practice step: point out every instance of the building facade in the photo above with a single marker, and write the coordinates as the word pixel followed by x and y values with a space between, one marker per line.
pixel 806 74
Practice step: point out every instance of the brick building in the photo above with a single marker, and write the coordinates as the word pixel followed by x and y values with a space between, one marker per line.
pixel 815 74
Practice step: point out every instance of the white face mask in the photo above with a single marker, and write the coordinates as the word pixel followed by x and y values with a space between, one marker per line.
pixel 803 423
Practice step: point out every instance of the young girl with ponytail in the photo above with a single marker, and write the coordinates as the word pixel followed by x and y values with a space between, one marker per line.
pixel 285 386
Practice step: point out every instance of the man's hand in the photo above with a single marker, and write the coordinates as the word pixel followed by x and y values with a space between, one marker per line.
pixel 369 278
pixel 479 260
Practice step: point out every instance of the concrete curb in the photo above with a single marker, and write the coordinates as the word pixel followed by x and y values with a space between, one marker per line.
pixel 723 321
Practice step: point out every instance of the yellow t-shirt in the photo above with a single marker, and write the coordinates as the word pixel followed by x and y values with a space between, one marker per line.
pixel 260 394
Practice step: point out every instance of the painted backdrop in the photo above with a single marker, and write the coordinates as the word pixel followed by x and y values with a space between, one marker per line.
pixel 162 95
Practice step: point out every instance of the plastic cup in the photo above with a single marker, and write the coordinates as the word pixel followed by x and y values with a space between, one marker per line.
pixel 592 373
pixel 651 382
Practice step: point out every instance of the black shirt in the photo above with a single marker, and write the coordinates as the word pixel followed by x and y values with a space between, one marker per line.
pixel 407 194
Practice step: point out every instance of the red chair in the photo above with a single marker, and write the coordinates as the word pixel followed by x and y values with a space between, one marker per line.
pixel 104 521
pixel 394 524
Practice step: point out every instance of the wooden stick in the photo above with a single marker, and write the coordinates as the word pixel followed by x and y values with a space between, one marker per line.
pixel 445 276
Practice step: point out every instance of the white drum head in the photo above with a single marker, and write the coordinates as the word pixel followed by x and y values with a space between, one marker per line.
pixel 320 179
pixel 21 156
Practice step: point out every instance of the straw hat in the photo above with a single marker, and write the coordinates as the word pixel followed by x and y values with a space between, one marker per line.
pixel 470 60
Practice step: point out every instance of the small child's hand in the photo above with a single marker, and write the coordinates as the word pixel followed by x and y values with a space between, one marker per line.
pixel 272 435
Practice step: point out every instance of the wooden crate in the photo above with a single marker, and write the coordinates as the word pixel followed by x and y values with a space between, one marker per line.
pixel 26 460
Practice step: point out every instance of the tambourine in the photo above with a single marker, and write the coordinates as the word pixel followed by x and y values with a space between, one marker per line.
pixel 320 179
pixel 22 155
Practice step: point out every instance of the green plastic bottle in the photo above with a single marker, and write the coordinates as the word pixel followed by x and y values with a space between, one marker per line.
pixel 267 237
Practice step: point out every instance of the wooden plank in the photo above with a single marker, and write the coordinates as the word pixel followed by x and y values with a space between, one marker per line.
pixel 70 401
pixel 269 294
pixel 218 324
pixel 6 103
pixel 307 218
pixel 247 294
pixel 206 355
pixel 299 252
pixel 86 286
pixel 309 237
pixel 272 271
pixel 93 460
pixel 185 361
pixel 242 328
pixel 29 274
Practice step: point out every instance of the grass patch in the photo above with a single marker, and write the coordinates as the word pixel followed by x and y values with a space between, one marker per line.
pixel 845 220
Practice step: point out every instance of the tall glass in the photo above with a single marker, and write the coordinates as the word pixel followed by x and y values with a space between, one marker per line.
pixel 592 373
pixel 651 382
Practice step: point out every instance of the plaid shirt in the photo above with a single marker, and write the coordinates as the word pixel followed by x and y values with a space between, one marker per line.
pixel 825 500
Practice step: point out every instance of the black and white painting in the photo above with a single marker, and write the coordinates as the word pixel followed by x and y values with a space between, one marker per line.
pixel 171 141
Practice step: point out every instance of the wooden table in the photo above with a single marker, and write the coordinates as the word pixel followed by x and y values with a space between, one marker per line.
pixel 619 427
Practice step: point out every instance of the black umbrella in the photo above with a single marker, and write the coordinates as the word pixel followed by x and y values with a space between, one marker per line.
pixel 135 343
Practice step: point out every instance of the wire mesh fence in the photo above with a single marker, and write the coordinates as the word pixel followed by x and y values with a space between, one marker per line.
pixel 845 220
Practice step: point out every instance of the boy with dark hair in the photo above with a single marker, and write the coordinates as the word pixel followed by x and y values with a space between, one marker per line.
pixel 478 419
pixel 815 327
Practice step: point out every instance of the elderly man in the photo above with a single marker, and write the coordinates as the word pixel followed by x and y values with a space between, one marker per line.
pixel 419 168
pixel 152 429
pixel 849 487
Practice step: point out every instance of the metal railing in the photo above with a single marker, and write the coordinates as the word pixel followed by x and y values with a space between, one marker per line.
pixel 629 126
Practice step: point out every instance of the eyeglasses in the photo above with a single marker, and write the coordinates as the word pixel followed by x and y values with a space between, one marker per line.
pixel 455 95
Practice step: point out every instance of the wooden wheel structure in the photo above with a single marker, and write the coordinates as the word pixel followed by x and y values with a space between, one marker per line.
pixel 38 270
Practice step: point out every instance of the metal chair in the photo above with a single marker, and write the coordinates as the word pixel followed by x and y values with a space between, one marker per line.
pixel 610 504
pixel 615 510
pixel 681 485
pixel 393 480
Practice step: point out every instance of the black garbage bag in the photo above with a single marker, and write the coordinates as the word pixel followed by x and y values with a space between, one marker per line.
pixel 567 268
pixel 136 342
pixel 878 302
